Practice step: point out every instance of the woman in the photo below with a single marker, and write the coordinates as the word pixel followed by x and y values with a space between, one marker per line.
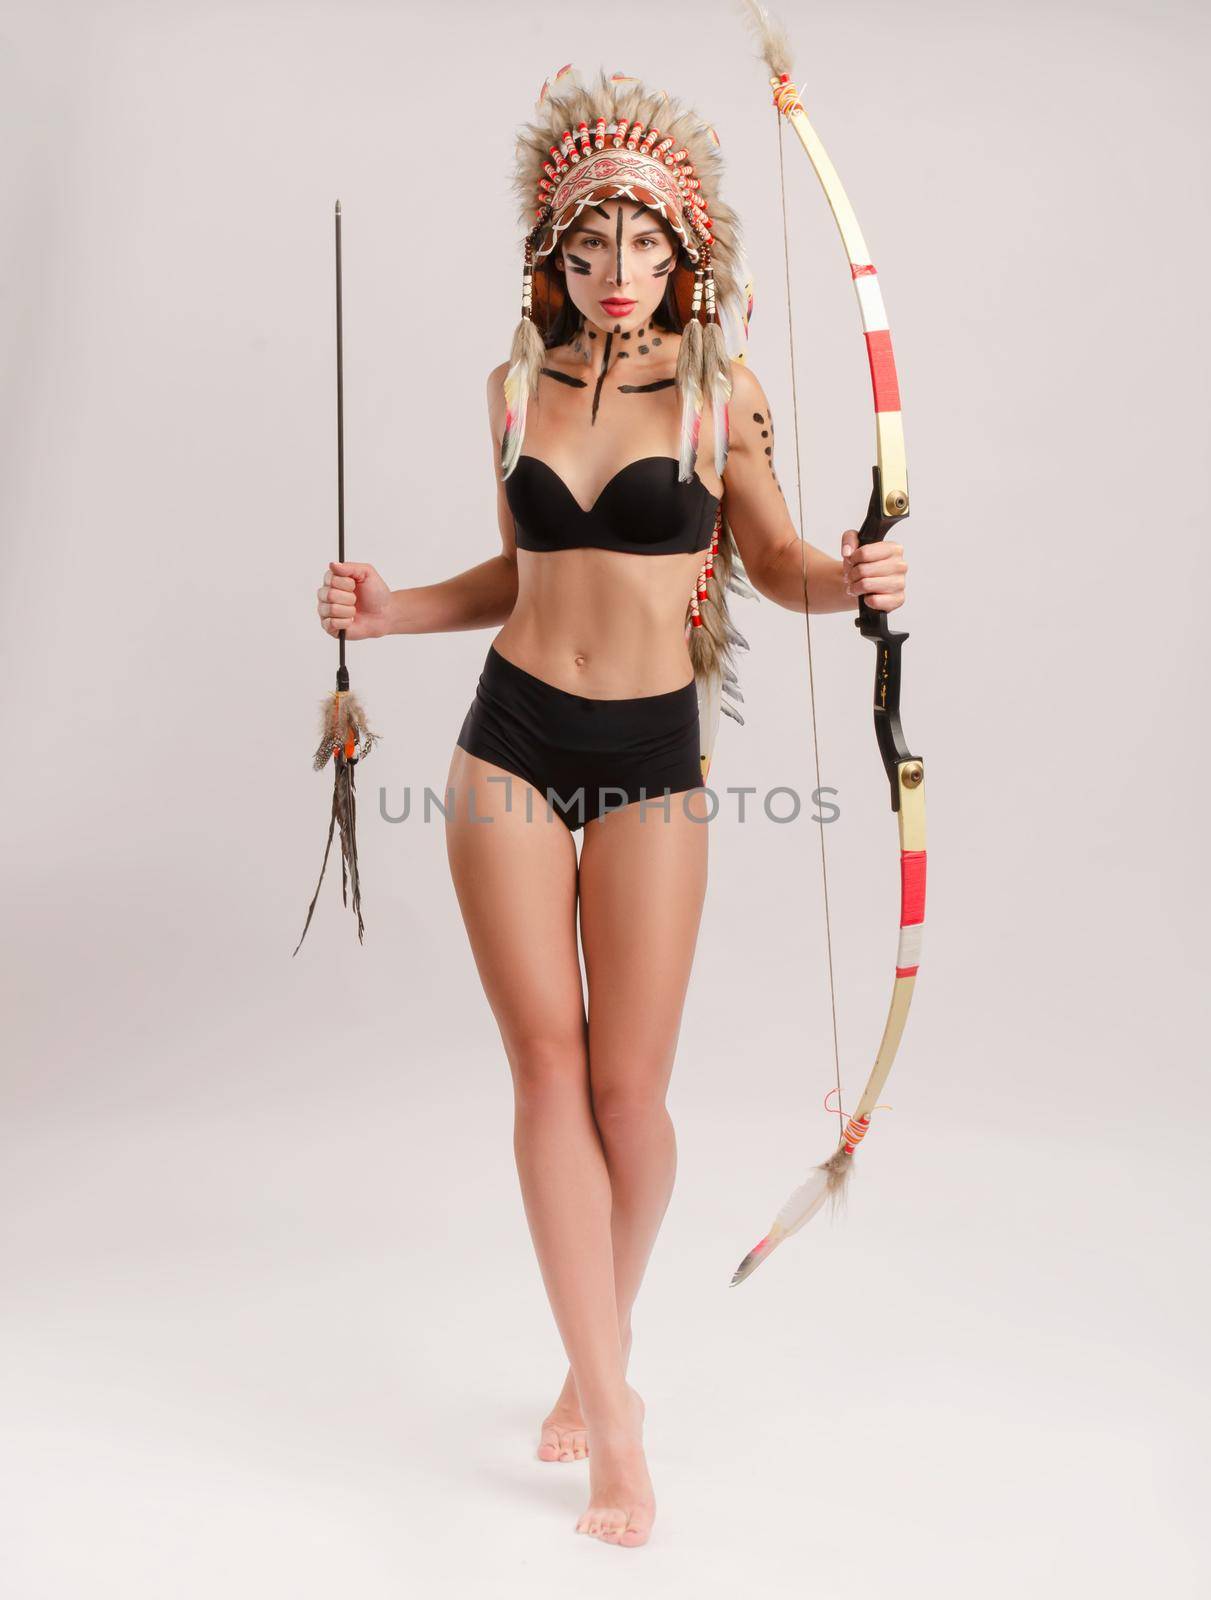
pixel 597 704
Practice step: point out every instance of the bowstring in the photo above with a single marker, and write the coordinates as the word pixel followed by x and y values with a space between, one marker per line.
pixel 811 671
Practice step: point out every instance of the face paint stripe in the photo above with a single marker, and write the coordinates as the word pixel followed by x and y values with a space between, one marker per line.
pixel 563 377
pixel 647 388
pixel 618 273
pixel 605 365
pixel 664 268
pixel 577 263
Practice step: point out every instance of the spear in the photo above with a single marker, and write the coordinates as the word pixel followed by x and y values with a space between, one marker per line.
pixel 344 735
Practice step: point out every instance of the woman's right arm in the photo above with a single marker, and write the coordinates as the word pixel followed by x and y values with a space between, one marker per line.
pixel 355 598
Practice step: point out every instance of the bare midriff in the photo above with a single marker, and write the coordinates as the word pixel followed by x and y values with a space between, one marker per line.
pixel 602 623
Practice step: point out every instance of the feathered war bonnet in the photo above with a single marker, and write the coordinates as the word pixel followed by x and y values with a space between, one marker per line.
pixel 614 140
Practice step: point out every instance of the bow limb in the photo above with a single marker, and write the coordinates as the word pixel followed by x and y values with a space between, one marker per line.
pixel 905 771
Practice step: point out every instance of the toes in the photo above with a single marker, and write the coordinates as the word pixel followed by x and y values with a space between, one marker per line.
pixel 639 1526
pixel 616 1526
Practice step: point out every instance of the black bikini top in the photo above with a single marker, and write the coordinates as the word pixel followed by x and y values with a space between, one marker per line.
pixel 643 509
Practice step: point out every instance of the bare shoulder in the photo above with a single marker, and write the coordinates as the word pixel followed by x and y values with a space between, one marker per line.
pixel 746 388
pixel 749 412
pixel 496 384
pixel 496 397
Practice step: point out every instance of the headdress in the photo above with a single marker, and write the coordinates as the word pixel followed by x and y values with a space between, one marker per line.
pixel 617 139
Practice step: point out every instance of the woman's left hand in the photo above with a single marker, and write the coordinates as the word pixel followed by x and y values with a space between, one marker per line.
pixel 874 572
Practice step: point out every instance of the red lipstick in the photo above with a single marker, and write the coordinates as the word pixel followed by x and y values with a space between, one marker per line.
pixel 618 307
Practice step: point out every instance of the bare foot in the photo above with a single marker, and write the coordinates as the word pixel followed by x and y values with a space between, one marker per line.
pixel 563 1435
pixel 622 1505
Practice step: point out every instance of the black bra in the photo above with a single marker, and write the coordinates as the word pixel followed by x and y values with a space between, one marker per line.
pixel 642 510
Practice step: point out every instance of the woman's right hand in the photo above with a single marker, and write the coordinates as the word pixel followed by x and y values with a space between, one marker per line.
pixel 353 597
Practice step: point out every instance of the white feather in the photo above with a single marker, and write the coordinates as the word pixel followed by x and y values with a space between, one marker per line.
pixel 717 380
pixel 689 386
pixel 802 1206
pixel 521 381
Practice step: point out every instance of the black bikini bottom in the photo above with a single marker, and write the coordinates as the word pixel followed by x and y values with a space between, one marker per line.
pixel 585 757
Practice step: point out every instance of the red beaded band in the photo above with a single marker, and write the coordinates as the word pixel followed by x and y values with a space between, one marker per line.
pixel 575 148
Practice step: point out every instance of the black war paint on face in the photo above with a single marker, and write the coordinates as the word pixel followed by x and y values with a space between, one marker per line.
pixel 618 236
pixel 663 268
pixel 605 367
pixel 647 388
pixel 578 264
pixel 602 212
pixel 564 377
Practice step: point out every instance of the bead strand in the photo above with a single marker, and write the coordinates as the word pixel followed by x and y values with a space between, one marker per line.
pixel 706 571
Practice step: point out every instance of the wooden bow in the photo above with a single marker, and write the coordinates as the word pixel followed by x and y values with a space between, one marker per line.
pixel 906 773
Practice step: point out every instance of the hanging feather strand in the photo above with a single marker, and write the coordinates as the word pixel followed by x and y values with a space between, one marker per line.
pixel 344 740
pixel 521 382
pixel 689 386
pixel 717 382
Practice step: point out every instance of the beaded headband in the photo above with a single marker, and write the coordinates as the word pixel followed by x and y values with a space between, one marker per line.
pixel 646 168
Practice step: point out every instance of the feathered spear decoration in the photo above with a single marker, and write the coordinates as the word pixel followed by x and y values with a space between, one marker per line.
pixel 344 735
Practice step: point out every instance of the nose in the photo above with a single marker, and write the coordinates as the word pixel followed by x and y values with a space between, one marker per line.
pixel 619 274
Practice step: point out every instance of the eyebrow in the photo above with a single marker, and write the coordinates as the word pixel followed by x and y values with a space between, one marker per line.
pixel 648 233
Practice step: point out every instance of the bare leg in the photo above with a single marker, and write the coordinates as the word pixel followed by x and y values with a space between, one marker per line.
pixel 642 884
pixel 516 882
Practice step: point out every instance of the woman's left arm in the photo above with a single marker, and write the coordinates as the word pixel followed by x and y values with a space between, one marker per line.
pixel 771 550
